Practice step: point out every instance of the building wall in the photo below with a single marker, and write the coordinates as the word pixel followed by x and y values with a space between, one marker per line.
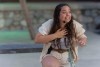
pixel 12 17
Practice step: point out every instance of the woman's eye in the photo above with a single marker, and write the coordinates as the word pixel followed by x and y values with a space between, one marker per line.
pixel 64 12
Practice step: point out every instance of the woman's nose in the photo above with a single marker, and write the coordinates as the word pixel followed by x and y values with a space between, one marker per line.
pixel 67 14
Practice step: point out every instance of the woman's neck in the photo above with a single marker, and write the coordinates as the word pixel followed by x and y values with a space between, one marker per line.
pixel 62 25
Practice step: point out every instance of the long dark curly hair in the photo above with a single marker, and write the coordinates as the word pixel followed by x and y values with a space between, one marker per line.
pixel 69 27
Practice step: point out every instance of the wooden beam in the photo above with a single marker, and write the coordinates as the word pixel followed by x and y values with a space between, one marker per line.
pixel 27 17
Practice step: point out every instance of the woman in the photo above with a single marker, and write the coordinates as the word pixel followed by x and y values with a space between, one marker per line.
pixel 60 36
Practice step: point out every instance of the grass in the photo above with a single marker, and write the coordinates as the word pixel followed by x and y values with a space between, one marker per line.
pixel 15 36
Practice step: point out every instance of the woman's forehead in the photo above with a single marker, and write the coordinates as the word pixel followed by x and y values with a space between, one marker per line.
pixel 64 8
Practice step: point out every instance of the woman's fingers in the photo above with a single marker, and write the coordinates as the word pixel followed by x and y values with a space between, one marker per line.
pixel 65 32
pixel 61 33
pixel 82 42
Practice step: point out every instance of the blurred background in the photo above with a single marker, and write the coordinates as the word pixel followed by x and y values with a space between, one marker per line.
pixel 19 23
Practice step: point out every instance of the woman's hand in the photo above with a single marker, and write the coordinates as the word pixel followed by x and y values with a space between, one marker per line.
pixel 60 33
pixel 83 41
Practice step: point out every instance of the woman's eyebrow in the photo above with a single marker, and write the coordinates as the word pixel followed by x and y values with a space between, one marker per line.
pixel 66 10
pixel 63 10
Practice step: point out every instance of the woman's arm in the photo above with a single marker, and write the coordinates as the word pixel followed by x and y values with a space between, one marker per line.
pixel 47 38
pixel 81 37
pixel 83 41
pixel 44 38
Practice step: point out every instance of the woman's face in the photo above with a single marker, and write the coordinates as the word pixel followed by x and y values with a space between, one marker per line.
pixel 65 14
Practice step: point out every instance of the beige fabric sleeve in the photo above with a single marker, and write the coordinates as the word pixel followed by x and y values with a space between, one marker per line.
pixel 45 28
pixel 79 30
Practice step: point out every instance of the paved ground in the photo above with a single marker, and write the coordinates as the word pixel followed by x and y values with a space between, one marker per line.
pixel 89 56
pixel 20 60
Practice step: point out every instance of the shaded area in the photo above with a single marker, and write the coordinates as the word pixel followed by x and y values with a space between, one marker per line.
pixel 20 48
